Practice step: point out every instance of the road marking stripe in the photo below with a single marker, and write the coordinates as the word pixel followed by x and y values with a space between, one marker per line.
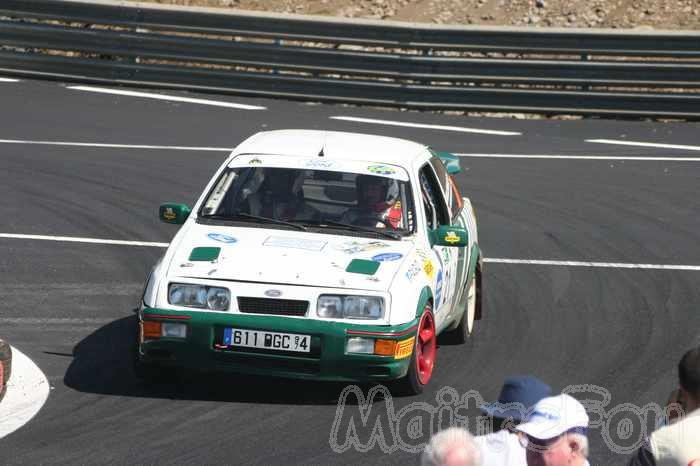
pixel 642 144
pixel 27 391
pixel 420 125
pixel 8 80
pixel 579 157
pixel 607 265
pixel 118 146
pixel 615 265
pixel 171 98
pixel 72 239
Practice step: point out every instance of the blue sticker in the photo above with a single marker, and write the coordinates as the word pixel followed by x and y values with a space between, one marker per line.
pixel 438 287
pixel 222 238
pixel 227 336
pixel 387 257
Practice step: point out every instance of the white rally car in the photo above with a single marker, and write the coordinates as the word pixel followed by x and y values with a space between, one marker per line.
pixel 319 255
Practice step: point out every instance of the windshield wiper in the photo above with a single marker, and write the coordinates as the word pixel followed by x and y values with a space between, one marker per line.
pixel 239 215
pixel 347 226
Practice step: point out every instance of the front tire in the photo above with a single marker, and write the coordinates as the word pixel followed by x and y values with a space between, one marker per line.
pixel 420 369
pixel 147 372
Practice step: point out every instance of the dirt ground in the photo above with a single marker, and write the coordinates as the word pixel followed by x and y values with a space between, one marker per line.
pixel 656 14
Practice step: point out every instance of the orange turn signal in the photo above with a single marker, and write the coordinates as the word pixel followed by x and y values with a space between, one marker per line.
pixel 384 347
pixel 151 329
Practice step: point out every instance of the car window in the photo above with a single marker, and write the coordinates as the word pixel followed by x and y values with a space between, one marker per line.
pixel 449 189
pixel 433 199
pixel 312 196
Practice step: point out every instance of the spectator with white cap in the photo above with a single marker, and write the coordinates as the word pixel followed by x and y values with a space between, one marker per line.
pixel 555 433
pixel 518 395
pixel 451 447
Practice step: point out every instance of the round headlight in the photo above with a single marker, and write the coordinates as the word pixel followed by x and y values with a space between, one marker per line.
pixel 363 307
pixel 218 299
pixel 330 306
pixel 176 295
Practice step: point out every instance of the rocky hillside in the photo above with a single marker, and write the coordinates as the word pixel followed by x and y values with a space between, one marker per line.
pixel 657 14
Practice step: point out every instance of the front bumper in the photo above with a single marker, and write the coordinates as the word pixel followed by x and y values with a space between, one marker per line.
pixel 327 359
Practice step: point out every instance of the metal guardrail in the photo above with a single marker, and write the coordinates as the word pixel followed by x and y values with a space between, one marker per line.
pixel 367 62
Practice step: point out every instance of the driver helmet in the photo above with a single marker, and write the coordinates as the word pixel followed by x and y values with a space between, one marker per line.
pixel 376 192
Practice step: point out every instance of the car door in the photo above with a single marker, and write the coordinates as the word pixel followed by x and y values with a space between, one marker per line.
pixel 455 206
pixel 445 258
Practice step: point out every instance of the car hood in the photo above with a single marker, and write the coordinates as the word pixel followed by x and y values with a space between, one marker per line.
pixel 286 257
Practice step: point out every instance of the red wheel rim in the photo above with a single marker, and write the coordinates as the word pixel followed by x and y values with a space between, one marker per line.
pixel 426 348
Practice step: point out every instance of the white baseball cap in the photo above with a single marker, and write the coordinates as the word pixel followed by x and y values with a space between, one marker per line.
pixel 554 416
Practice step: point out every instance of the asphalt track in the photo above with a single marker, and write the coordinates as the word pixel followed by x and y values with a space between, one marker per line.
pixel 68 305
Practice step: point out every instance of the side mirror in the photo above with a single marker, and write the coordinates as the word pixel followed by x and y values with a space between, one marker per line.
pixel 450 161
pixel 173 213
pixel 447 235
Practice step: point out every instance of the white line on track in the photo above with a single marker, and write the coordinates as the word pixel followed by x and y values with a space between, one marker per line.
pixel 171 98
pixel 579 157
pixel 642 144
pixel 611 265
pixel 117 146
pixel 73 239
pixel 27 391
pixel 424 126
pixel 605 265
pixel 8 80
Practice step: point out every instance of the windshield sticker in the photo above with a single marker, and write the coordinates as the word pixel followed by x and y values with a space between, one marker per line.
pixel 295 243
pixel 319 164
pixel 379 169
pixel 353 247
pixel 413 270
pixel 387 257
pixel 222 238
pixel 255 161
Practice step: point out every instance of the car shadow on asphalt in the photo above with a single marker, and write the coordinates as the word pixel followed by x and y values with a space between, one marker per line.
pixel 102 364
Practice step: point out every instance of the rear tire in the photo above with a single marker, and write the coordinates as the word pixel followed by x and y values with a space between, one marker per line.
pixel 463 333
pixel 422 364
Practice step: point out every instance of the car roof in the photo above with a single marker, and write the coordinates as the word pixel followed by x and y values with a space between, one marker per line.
pixel 336 145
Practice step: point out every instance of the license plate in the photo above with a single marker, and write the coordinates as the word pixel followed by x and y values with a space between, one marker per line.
pixel 267 340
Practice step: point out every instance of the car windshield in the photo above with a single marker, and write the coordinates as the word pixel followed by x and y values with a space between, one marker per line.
pixel 314 198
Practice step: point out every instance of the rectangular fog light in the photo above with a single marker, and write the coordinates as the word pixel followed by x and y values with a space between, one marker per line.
pixel 173 330
pixel 360 345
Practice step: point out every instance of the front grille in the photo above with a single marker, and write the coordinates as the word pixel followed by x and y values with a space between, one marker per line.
pixel 277 307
